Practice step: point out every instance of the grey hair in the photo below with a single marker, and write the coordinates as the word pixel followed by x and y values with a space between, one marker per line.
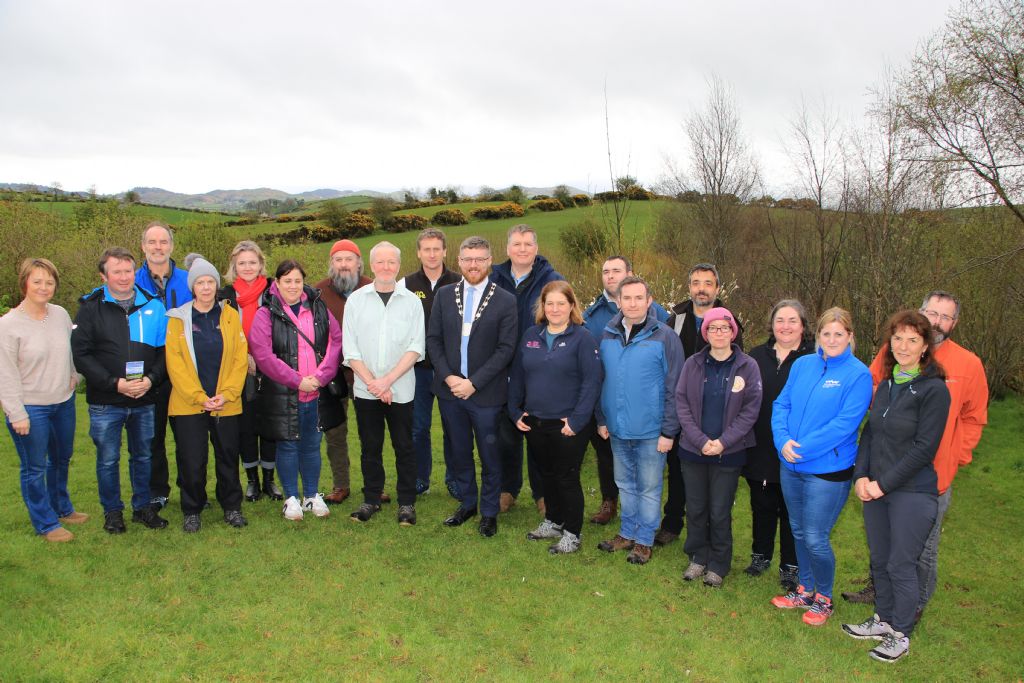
pixel 795 304
pixel 705 266
pixel 385 244
pixel 942 295
pixel 157 224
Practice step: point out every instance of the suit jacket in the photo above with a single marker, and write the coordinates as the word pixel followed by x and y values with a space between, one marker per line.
pixel 492 344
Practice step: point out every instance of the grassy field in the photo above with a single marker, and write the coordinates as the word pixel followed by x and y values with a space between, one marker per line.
pixel 331 599
pixel 176 217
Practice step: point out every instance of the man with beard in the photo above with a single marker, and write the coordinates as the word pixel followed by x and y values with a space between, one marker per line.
pixel 344 276
pixel 968 414
pixel 471 340
pixel 686 318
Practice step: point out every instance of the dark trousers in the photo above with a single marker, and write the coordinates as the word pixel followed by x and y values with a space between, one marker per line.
pixel 710 492
pixel 897 525
pixel 605 464
pixel 559 459
pixel 255 450
pixel 422 417
pixel 768 512
pixel 510 447
pixel 191 433
pixel 159 474
pixel 675 503
pixel 461 420
pixel 371 415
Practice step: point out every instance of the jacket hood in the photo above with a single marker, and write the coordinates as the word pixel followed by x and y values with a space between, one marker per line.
pixel 103 294
pixel 184 312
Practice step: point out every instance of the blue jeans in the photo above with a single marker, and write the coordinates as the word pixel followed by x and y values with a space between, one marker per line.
pixel 422 417
pixel 301 457
pixel 638 474
pixel 814 505
pixel 45 454
pixel 105 425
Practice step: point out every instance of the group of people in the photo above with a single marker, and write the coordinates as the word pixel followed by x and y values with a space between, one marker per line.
pixel 263 367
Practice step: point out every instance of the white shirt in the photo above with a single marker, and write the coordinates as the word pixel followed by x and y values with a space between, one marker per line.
pixel 479 292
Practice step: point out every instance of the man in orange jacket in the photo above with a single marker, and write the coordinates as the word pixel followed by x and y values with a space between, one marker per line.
pixel 968 414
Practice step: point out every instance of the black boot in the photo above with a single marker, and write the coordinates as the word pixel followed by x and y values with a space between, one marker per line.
pixel 252 487
pixel 270 488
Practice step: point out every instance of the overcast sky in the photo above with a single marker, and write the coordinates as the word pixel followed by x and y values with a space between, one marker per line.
pixel 196 96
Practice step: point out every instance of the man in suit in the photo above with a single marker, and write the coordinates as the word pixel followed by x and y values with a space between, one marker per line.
pixel 471 339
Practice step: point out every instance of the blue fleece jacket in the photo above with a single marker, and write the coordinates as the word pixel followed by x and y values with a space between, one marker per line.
pixel 528 291
pixel 562 382
pixel 176 291
pixel 821 408
pixel 599 314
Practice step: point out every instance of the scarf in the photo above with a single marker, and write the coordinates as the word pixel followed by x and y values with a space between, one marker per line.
pixel 248 299
pixel 901 376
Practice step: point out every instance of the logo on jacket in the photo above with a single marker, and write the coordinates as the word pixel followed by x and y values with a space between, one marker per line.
pixel 533 344
pixel 831 384
pixel 738 385
pixel 422 295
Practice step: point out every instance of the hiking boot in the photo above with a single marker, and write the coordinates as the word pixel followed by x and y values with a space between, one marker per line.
pixel 364 512
pixel 871 629
pixel 252 484
pixel 693 572
pixel 191 524
pixel 759 564
pixel 865 596
pixel 800 598
pixel 148 517
pixel 568 543
pixel 113 522
pixel 270 487
pixel 234 518
pixel 316 505
pixel 819 612
pixel 406 515
pixel 614 544
pixel 75 518
pixel 546 529
pixel 713 580
pixel 160 502
pixel 292 510
pixel 605 513
pixel 58 535
pixel 663 537
pixel 422 487
pixel 506 501
pixel 641 554
pixel 894 646
pixel 789 577
pixel 337 495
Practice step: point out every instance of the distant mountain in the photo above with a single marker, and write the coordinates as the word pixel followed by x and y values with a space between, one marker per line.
pixel 235 200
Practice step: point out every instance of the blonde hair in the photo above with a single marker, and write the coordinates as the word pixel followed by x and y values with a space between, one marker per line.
pixel 244 245
pixel 836 315
pixel 565 289
pixel 30 264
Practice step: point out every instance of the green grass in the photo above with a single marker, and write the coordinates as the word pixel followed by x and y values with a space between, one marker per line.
pixel 176 217
pixel 331 599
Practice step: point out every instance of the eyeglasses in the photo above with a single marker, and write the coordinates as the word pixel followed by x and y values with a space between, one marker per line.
pixel 935 315
pixel 717 329
pixel 478 260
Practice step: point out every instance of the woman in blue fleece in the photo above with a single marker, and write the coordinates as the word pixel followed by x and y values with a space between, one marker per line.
pixel 814 423
pixel 554 384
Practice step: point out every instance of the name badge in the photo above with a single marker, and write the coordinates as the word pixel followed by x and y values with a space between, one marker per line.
pixel 134 369
pixel 466 327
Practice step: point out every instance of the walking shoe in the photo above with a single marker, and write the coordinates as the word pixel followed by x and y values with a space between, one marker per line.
pixel 113 522
pixel 663 537
pixel 148 517
pixel 453 489
pixel 191 524
pixel 894 646
pixel 759 564
pixel 546 529
pixel 159 501
pixel 865 596
pixel 713 580
pixel 640 554
pixel 406 515
pixel 75 518
pixel 693 572
pixel 789 576
pixel 292 510
pixel 819 612
pixel 58 535
pixel 235 518
pixel 506 501
pixel 364 512
pixel 316 505
pixel 568 543
pixel 605 513
pixel 252 484
pixel 799 598
pixel 871 629
pixel 614 544
pixel 422 487
pixel 270 487
pixel 337 495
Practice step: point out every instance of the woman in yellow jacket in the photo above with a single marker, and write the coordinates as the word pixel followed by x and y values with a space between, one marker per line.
pixel 207 362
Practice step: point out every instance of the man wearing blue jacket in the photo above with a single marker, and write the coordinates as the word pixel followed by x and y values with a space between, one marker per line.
pixel 159 276
pixel 524 275
pixel 642 360
pixel 595 319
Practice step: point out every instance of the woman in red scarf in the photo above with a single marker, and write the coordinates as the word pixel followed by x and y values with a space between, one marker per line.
pixel 247 273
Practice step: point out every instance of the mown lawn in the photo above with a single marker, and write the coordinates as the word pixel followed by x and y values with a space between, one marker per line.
pixel 333 600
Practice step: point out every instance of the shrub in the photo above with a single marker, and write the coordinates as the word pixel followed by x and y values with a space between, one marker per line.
pixel 404 222
pixel 506 210
pixel 585 241
pixel 549 204
pixel 637 193
pixel 362 212
pixel 538 197
pixel 611 196
pixel 357 225
pixel 449 217
pixel 581 200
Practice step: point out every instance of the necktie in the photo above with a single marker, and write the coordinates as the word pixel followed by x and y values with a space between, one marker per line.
pixel 467 323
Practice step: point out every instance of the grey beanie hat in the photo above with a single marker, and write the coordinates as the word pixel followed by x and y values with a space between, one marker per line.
pixel 201 267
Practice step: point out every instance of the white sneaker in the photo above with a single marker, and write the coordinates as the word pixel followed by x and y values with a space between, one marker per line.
pixel 292 510
pixel 316 505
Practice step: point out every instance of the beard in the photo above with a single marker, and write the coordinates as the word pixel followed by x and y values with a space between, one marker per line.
pixel 344 283
pixel 938 334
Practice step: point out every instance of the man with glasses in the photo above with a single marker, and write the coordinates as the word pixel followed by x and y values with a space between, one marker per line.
pixel 968 414
pixel 471 339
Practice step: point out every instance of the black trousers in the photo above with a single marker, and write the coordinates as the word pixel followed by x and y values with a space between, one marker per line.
pixel 559 459
pixel 675 503
pixel 510 448
pixel 191 433
pixel 768 511
pixel 711 490
pixel 371 415
pixel 159 474
pixel 897 526
pixel 605 464
pixel 254 449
